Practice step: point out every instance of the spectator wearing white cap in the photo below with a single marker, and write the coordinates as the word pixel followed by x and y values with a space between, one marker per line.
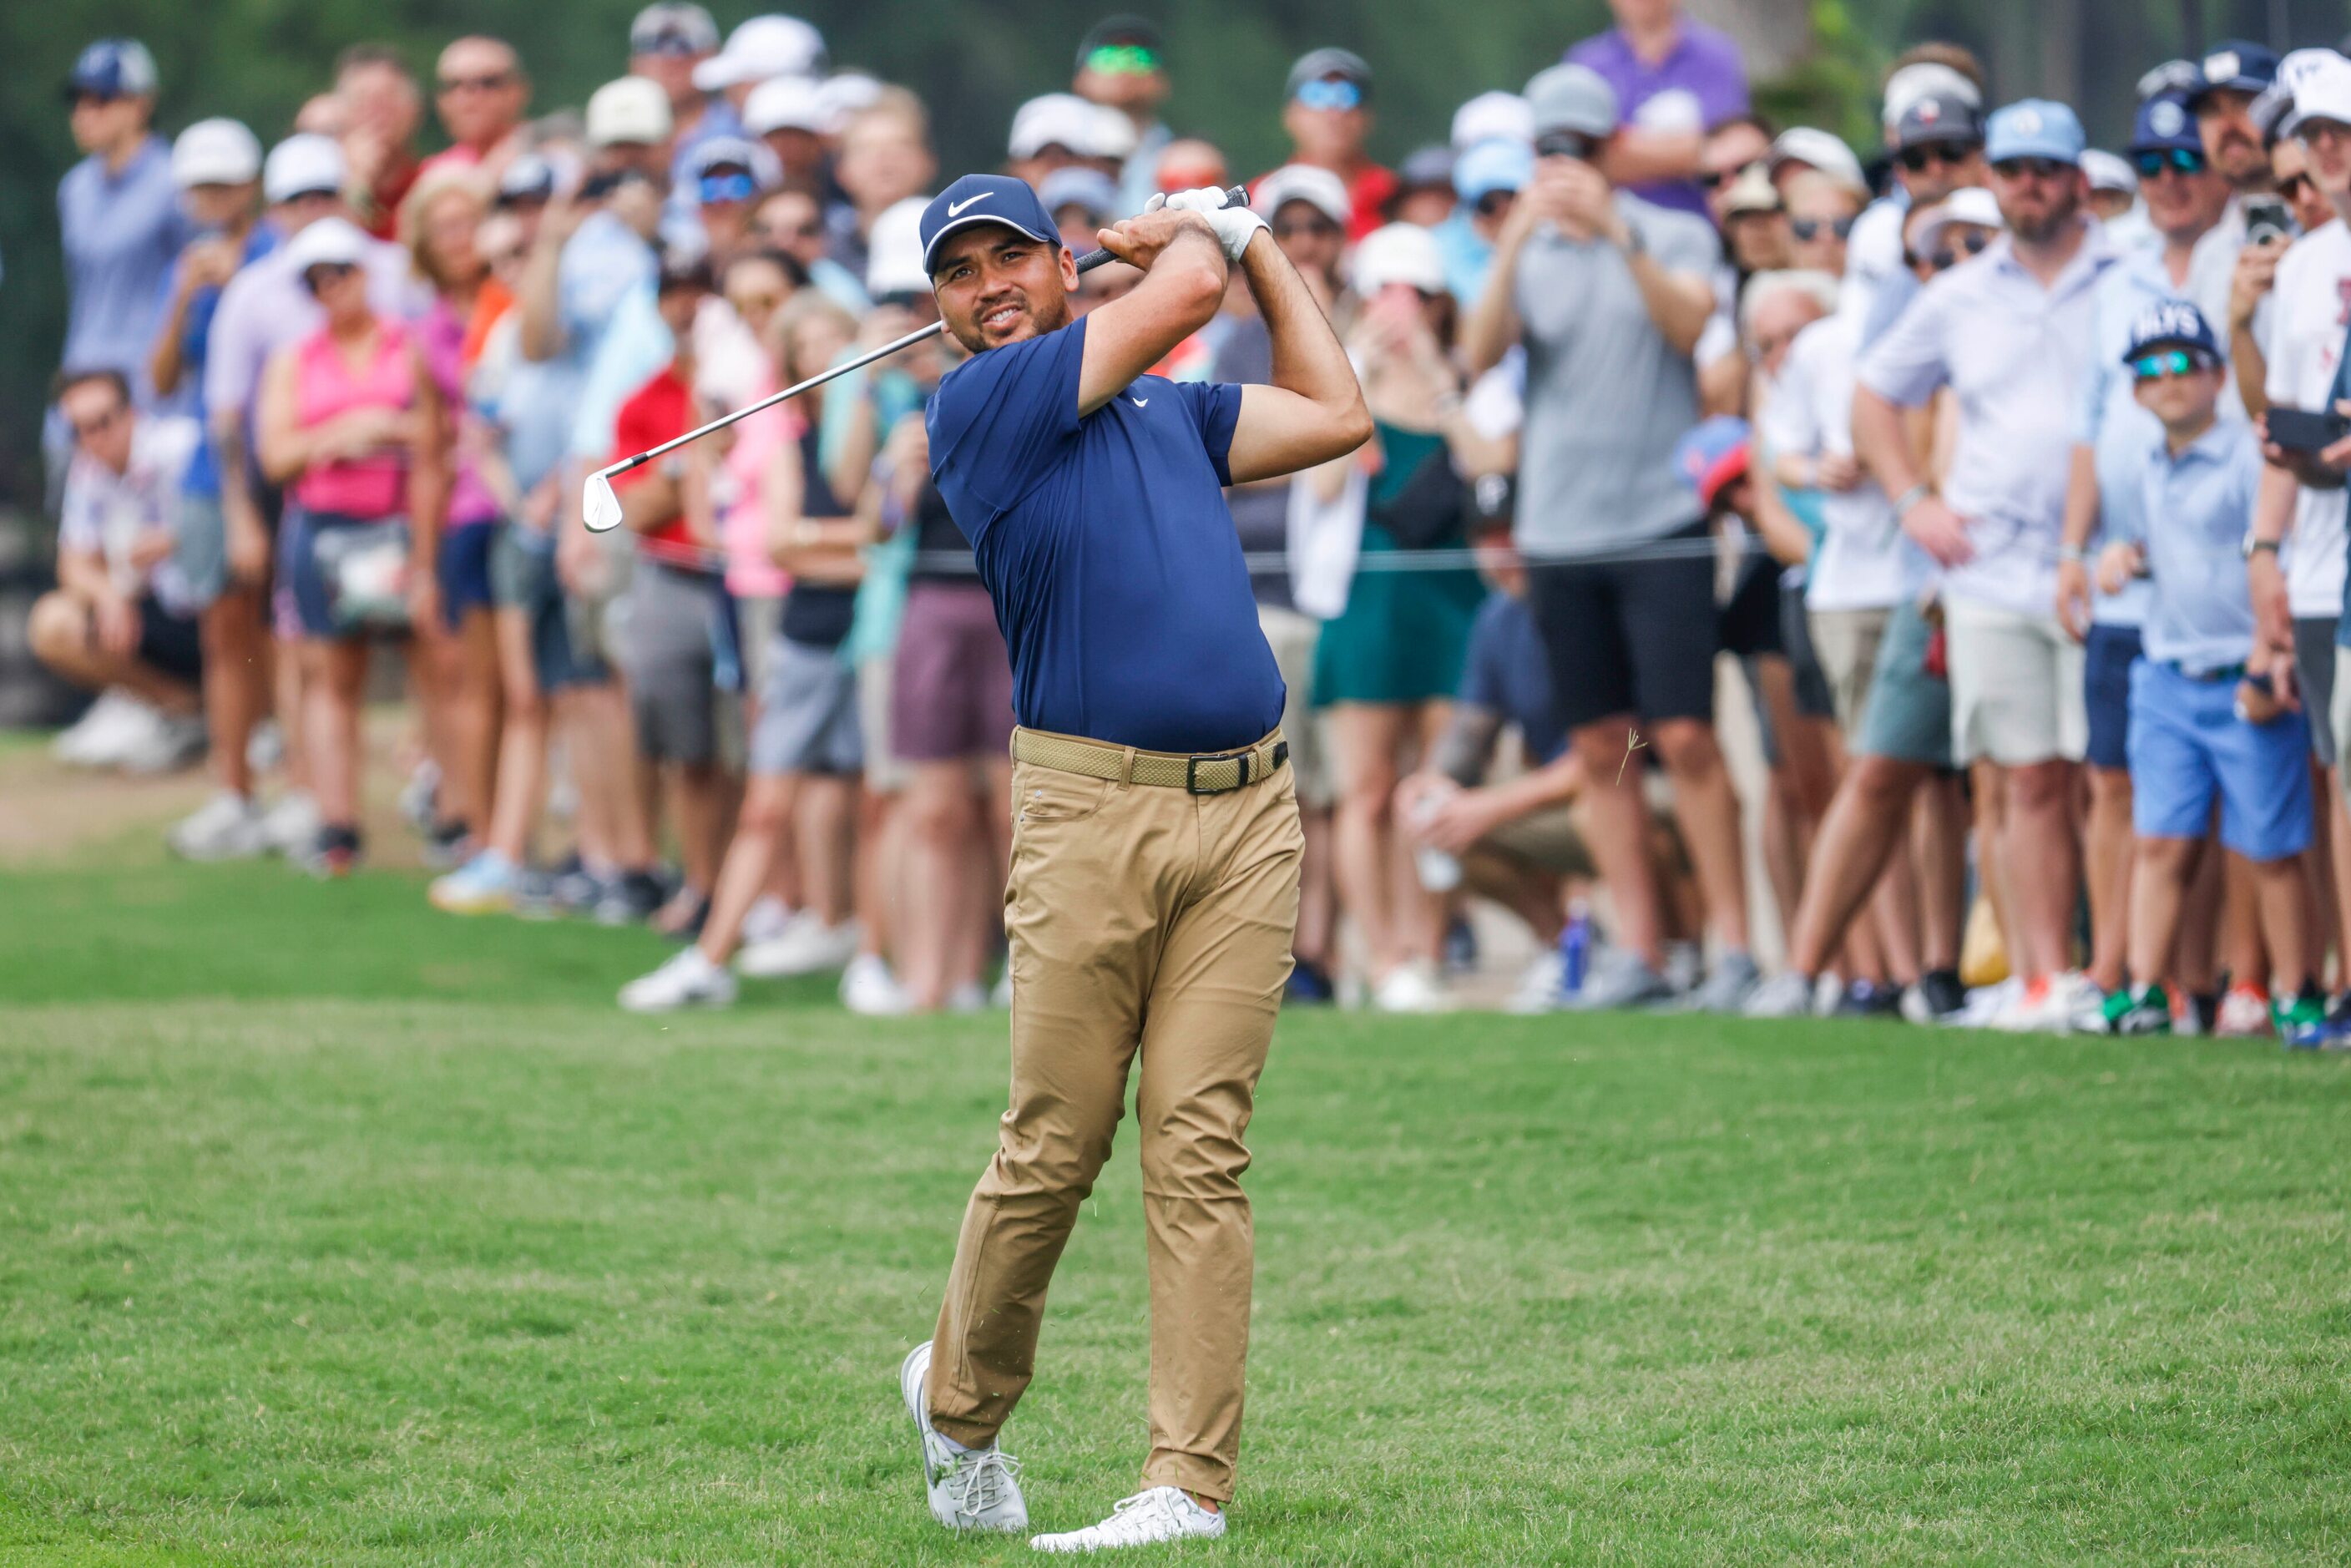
pixel 1486 178
pixel 1387 666
pixel 119 215
pixel 1307 210
pixel 2114 194
pixel 1803 147
pixel 1056 129
pixel 1122 67
pixel 787 116
pixel 1821 211
pixel 761 50
pixel 1492 116
pixel 1608 295
pixel 1933 122
pixel 885 159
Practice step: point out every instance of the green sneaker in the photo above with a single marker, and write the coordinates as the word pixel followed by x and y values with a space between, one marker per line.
pixel 2145 1011
pixel 2302 1022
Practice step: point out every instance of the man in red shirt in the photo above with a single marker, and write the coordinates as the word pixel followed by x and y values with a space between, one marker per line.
pixel 1329 119
pixel 669 622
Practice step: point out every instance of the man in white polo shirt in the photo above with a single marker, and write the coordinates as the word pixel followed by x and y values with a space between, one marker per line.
pixel 2009 331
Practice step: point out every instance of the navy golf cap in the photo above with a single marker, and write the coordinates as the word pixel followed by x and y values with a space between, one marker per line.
pixel 2172 324
pixel 2164 125
pixel 2237 65
pixel 985 199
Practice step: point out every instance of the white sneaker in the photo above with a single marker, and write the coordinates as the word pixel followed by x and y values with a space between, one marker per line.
pixel 2244 1014
pixel 1543 986
pixel 765 920
pixel 1408 988
pixel 172 741
pixel 110 725
pixel 224 828
pixel 1685 963
pixel 1786 995
pixel 1149 1517
pixel 2046 1007
pixel 292 824
pixel 970 1488
pixel 688 981
pixel 418 795
pixel 806 946
pixel 999 995
pixel 869 989
pixel 264 748
pixel 967 997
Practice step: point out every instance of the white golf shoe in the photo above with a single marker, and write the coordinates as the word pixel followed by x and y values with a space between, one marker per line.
pixel 806 946
pixel 1149 1517
pixel 970 1488
pixel 226 827
pixel 689 979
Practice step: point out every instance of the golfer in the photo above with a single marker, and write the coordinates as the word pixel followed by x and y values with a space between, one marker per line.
pixel 1155 835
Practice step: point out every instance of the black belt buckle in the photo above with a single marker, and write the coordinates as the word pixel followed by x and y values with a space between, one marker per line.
pixel 1192 772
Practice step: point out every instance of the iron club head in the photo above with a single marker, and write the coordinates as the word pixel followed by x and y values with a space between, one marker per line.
pixel 599 507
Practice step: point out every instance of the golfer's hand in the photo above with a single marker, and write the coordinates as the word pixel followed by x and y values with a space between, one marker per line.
pixel 1234 226
pixel 1939 531
pixel 1139 240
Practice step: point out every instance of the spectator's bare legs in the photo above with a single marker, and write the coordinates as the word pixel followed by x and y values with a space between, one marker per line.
pixel 237 684
pixel 1706 809
pixel 2195 953
pixel 2160 870
pixel 470 692
pixel 935 892
pixel 2041 867
pixel 1619 836
pixel 64 635
pixel 1939 846
pixel 1990 793
pixel 1864 826
pixel 1893 915
pixel 1531 895
pixel 601 745
pixel 2284 891
pixel 763 824
pixel 1397 922
pixel 522 739
pixel 2242 952
pixel 823 824
pixel 334 676
pixel 697 805
pixel 2107 855
pixel 1318 912
pixel 290 684
pixel 878 868
pixel 2335 822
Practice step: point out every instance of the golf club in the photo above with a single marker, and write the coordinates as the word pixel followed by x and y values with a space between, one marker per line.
pixel 600 509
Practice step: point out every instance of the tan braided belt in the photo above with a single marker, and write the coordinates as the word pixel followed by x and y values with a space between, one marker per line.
pixel 1201 775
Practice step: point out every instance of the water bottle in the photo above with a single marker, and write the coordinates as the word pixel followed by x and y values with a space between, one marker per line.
pixel 1575 948
pixel 1439 872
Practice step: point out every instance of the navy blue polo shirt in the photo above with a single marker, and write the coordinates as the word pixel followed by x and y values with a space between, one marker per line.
pixel 1105 543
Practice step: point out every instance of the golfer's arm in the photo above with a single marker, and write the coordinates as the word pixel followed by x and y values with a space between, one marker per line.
pixel 1180 295
pixel 1314 409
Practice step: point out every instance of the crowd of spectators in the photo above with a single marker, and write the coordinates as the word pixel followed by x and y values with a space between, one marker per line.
pixel 2009 471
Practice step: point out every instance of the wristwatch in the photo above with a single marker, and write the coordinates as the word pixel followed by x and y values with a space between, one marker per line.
pixel 2253 546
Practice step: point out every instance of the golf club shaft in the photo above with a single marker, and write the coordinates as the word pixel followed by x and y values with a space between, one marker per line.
pixel 1235 197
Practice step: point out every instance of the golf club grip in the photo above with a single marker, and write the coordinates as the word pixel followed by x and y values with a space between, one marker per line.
pixel 1236 197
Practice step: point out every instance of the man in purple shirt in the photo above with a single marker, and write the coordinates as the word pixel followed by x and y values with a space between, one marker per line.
pixel 1674 80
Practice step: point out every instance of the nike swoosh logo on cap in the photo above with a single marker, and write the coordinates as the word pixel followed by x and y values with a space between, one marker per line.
pixel 954 207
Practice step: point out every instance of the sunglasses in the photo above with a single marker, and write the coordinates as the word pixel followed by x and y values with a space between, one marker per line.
pixel 755 304
pixel 715 189
pixel 2295 186
pixel 2171 363
pixel 508 202
pixel 489 81
pixel 1715 178
pixel 1565 145
pixel 1124 60
pixel 1810 228
pixel 1949 154
pixel 316 278
pixel 2031 168
pixel 2179 160
pixel 780 233
pixel 1330 92
pixel 88 429
pixel 675 45
pixel 1494 203
pixel 1319 228
pixel 1945 257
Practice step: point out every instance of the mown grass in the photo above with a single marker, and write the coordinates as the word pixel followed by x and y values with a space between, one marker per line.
pixel 334 1232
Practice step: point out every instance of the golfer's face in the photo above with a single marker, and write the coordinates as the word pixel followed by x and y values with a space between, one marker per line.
pixel 997 285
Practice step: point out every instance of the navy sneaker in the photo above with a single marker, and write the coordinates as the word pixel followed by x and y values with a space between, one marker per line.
pixel 1308 987
pixel 1868 999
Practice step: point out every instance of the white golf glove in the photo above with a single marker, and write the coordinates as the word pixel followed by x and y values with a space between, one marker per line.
pixel 1233 225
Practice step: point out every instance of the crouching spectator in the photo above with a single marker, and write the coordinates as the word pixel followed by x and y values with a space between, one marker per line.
pixel 122 622
pixel 2207 725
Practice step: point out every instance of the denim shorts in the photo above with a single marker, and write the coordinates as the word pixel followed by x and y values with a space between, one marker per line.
pixel 2188 748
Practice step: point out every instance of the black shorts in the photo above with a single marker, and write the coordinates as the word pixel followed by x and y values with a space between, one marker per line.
pixel 170 643
pixel 1629 636
pixel 1750 620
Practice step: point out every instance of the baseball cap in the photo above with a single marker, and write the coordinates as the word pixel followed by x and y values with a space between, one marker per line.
pixel 303 164
pixel 1316 64
pixel 842 94
pixel 1937 117
pixel 2034 128
pixel 762 47
pixel 1318 188
pixel 1967 205
pixel 1821 150
pixel 2107 173
pixel 329 242
pixel 527 177
pixel 1424 167
pixel 1398 253
pixel 2162 125
pixel 1926 79
pixel 2318 82
pixel 215 153
pixel 785 103
pixel 112 68
pixel 1491 115
pixel 633 108
pixel 1078 186
pixel 1061 119
pixel 2172 323
pixel 1751 192
pixel 1141 49
pixel 1571 98
pixel 673 28
pixel 2237 65
pixel 2179 77
pixel 1497 163
pixel 1712 456
pixel 975 199
pixel 739 153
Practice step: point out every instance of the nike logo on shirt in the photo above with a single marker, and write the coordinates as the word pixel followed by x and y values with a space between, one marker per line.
pixel 954 207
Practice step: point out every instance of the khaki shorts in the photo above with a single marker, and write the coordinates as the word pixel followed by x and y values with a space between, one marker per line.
pixel 2016 688
pixel 1547 840
pixel 1846 643
pixel 1292 636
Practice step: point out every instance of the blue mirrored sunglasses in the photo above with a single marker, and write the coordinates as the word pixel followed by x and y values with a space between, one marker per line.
pixel 715 188
pixel 2169 362
pixel 2185 160
pixel 1330 92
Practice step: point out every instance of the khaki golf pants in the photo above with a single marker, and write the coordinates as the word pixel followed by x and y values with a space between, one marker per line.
pixel 1141 919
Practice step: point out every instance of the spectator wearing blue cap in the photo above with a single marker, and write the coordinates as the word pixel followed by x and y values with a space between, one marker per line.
pixel 2009 331
pixel 2228 79
pixel 2185 198
pixel 1486 178
pixel 117 213
pixel 2209 724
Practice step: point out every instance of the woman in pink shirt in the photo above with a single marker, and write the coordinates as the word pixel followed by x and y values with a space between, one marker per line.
pixel 351 425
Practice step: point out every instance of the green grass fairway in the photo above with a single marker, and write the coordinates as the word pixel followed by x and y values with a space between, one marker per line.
pixel 336 1233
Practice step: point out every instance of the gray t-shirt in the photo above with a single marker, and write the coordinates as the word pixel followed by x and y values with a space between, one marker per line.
pixel 1260 512
pixel 1607 396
